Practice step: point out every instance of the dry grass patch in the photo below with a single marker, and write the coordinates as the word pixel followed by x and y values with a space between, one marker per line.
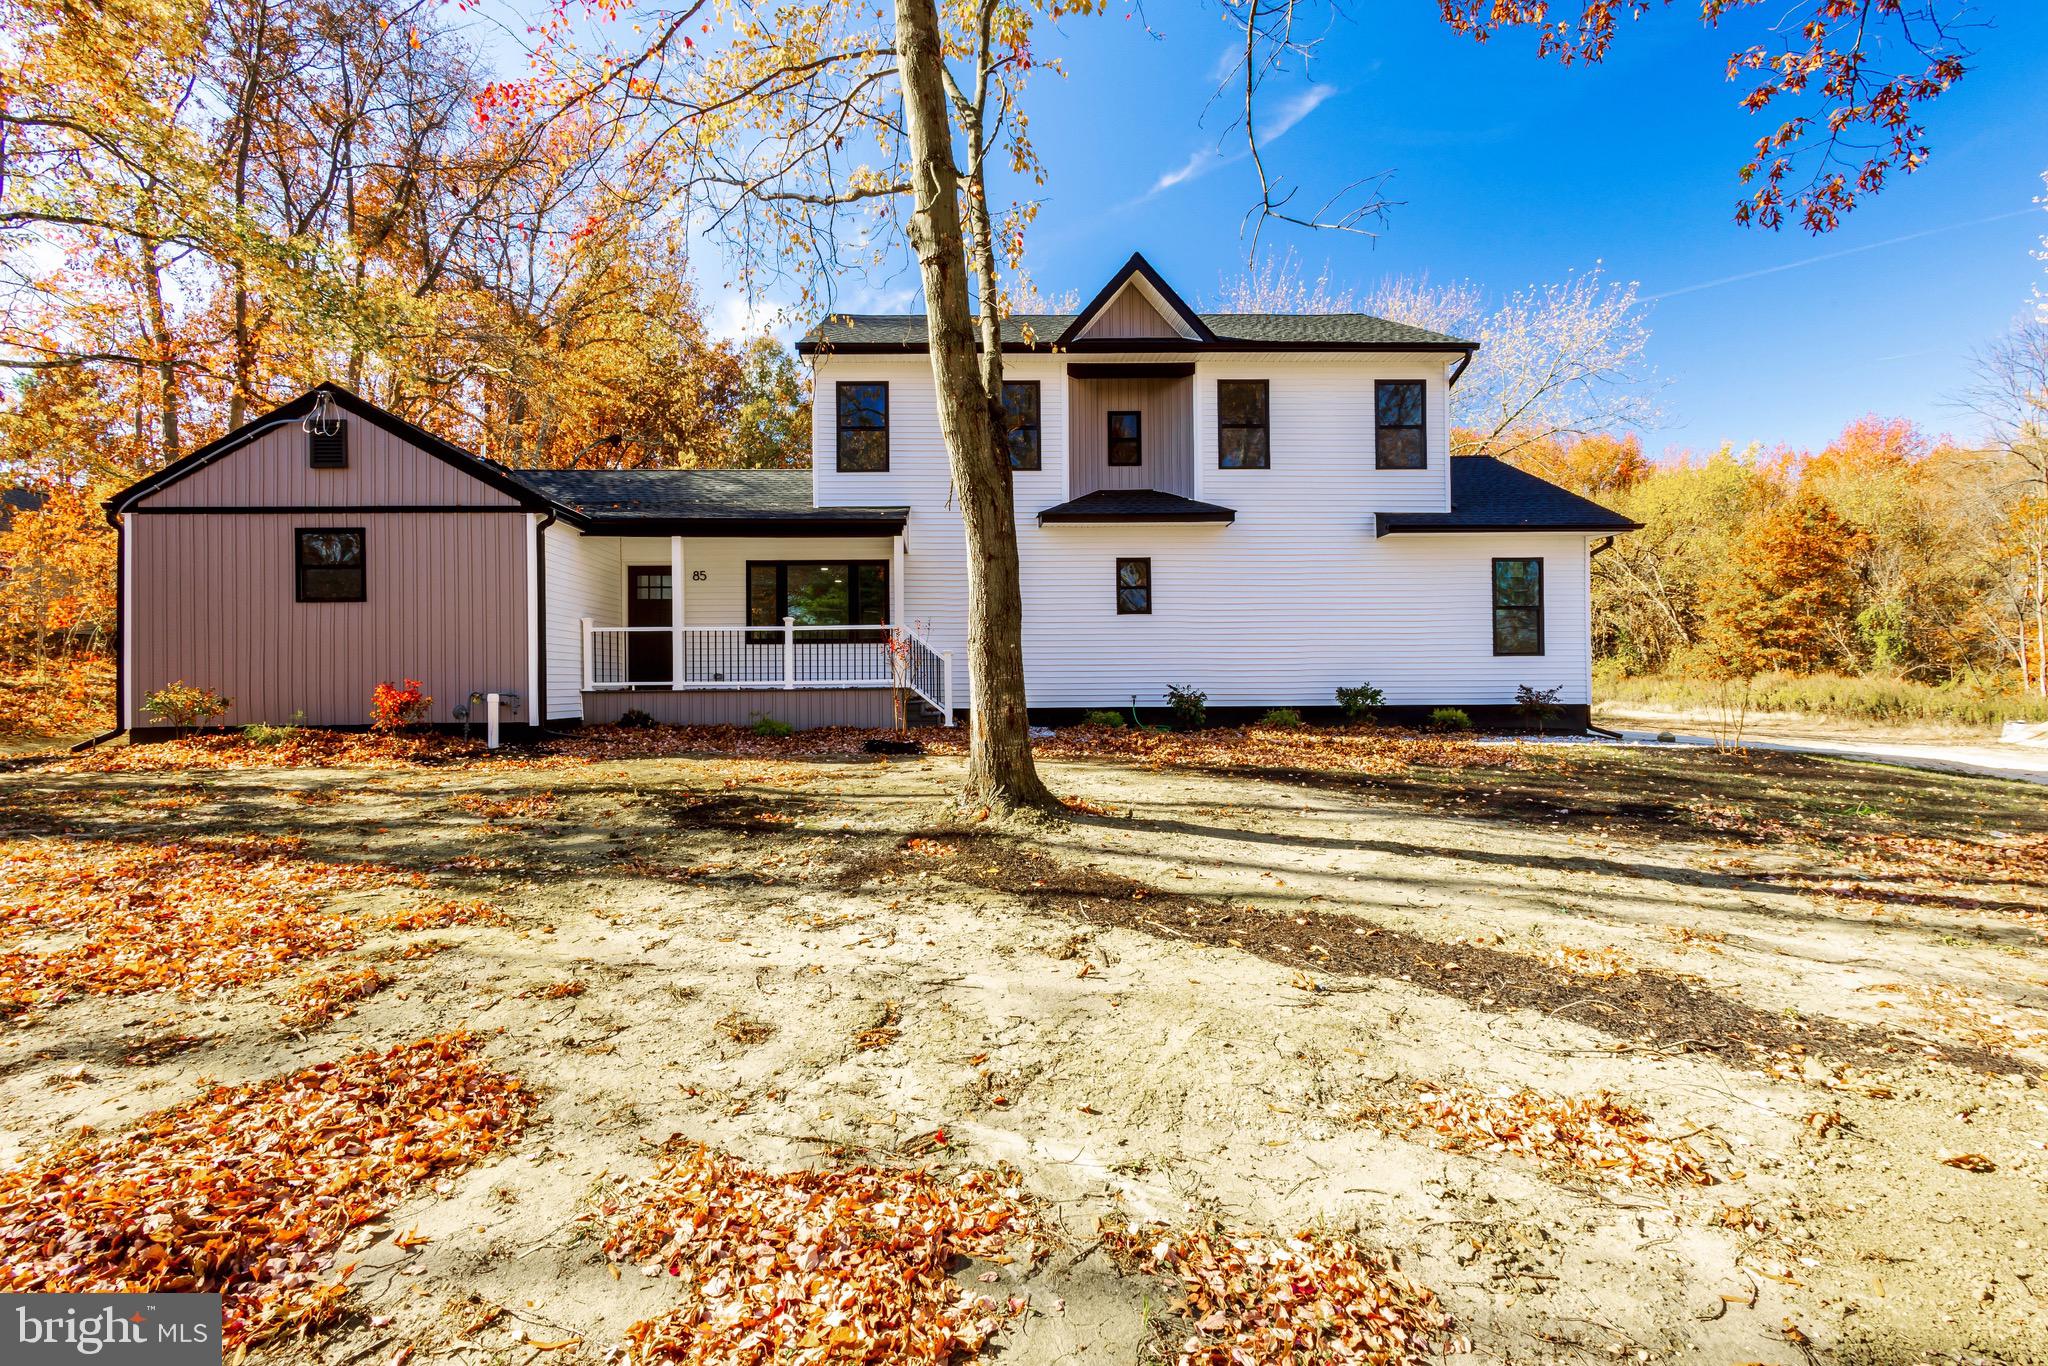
pixel 1253 1299
pixel 846 1265
pixel 172 915
pixel 738 1027
pixel 248 1190
pixel 1596 1135
pixel 322 1000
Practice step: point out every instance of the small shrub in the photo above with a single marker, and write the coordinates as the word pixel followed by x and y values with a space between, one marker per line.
pixel 181 704
pixel 1285 718
pixel 263 736
pixel 1450 718
pixel 636 719
pixel 394 706
pixel 1361 702
pixel 1190 707
pixel 768 727
pixel 1103 718
pixel 1538 706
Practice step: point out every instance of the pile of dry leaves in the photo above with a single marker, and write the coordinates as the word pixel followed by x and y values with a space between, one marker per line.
pixel 195 916
pixel 1595 1134
pixel 57 699
pixel 440 915
pixel 1302 748
pixel 1256 1300
pixel 247 1190
pixel 324 999
pixel 848 1265
pixel 303 747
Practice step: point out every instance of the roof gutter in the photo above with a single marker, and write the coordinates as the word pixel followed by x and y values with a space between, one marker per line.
pixel 1464 363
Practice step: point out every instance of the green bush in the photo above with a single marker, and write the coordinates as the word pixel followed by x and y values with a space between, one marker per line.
pixel 1284 718
pixel 1361 702
pixel 264 736
pixel 1190 708
pixel 1897 701
pixel 1450 718
pixel 1538 706
pixel 181 704
pixel 1103 718
pixel 769 728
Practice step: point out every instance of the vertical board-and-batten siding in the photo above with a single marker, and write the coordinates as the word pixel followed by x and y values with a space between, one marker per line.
pixel 1165 434
pixel 1129 314
pixel 1293 600
pixel 212 595
pixel 383 471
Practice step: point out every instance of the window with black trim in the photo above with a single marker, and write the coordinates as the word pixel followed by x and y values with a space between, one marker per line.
pixel 1134 588
pixel 863 426
pixel 330 564
pixel 817 593
pixel 1400 438
pixel 1518 607
pixel 1020 422
pixel 1126 438
pixel 1241 439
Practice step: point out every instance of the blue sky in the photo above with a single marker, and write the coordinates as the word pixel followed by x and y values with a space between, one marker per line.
pixel 1508 170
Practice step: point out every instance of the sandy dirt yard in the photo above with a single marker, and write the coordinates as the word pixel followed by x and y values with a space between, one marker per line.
pixel 1405 1049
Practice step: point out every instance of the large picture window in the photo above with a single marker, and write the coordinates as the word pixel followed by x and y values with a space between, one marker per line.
pixel 1020 422
pixel 330 564
pixel 1518 607
pixel 1400 436
pixel 1126 438
pixel 1133 588
pixel 1241 440
pixel 863 426
pixel 825 593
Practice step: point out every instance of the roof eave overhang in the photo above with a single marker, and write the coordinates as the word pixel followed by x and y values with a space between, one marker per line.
pixel 1220 517
pixel 883 522
pixel 1142 345
pixel 1383 525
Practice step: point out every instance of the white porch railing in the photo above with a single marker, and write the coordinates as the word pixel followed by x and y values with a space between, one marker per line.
pixel 786 656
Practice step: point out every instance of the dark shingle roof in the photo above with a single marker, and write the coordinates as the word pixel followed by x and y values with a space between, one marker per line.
pixel 906 331
pixel 1492 495
pixel 697 496
pixel 1135 505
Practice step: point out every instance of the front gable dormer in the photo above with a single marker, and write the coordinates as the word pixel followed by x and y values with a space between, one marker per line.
pixel 1136 304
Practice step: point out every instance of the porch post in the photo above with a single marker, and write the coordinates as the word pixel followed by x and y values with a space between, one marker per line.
pixel 789 652
pixel 897 616
pixel 675 612
pixel 586 654
pixel 946 660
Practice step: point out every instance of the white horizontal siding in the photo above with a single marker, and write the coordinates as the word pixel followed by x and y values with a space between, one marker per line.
pixel 578 586
pixel 1293 600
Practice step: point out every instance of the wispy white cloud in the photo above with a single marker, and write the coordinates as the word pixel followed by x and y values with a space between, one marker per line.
pixel 1274 126
pixel 1294 111
pixel 1803 262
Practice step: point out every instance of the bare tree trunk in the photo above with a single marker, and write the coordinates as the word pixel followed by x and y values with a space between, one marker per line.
pixel 163 343
pixel 999 768
pixel 242 388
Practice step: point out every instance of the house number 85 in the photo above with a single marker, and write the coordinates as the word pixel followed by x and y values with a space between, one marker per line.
pixel 698 576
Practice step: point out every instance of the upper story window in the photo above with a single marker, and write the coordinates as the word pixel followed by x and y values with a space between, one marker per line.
pixel 1399 439
pixel 1241 440
pixel 1134 587
pixel 330 564
pixel 1518 607
pixel 1126 440
pixel 863 426
pixel 1020 422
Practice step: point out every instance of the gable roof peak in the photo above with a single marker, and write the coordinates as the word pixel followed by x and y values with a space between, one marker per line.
pixel 1162 295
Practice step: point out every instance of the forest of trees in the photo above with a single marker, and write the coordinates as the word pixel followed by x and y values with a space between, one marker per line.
pixel 204 209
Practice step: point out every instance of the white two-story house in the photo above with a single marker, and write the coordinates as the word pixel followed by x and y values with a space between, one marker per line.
pixel 1260 507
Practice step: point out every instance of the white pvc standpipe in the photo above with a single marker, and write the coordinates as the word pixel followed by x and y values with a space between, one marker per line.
pixel 490 721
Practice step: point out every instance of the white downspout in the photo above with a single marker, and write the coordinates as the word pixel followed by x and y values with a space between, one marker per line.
pixel 533 678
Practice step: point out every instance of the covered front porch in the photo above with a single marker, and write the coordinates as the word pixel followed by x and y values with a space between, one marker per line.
pixel 730 629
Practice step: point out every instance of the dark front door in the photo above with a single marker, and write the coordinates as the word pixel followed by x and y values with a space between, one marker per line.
pixel 650 601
